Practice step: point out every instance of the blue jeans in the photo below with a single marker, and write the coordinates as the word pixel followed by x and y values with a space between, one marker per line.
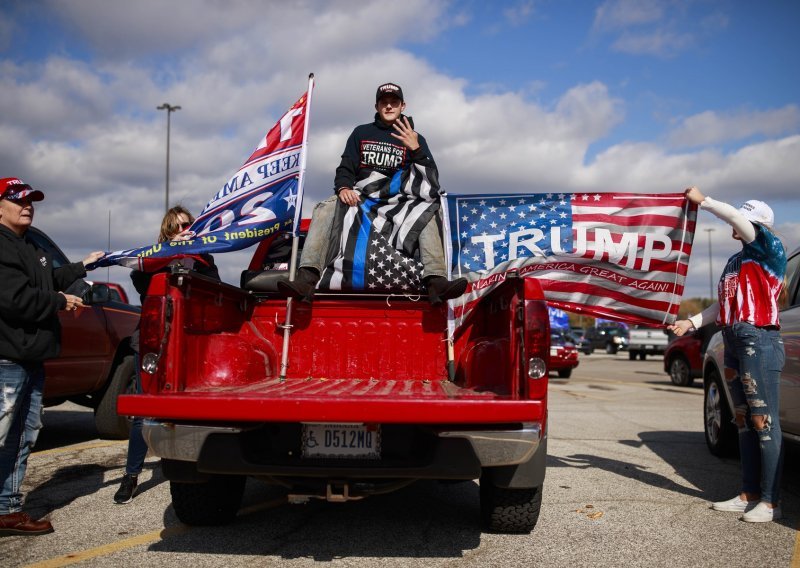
pixel 757 355
pixel 137 447
pixel 20 421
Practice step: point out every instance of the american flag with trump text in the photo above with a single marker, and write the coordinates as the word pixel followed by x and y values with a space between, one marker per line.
pixel 610 255
pixel 261 199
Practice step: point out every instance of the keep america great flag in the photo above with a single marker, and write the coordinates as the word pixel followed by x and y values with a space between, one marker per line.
pixel 611 255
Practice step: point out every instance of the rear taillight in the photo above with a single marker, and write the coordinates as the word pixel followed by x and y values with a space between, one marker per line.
pixel 151 333
pixel 537 346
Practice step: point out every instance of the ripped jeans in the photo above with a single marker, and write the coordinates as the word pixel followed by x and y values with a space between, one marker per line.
pixel 20 421
pixel 756 355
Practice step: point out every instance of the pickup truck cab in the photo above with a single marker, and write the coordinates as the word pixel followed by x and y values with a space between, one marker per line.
pixel 368 403
pixel 645 340
pixel 96 361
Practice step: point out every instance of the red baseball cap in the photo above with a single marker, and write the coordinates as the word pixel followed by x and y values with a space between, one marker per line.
pixel 15 188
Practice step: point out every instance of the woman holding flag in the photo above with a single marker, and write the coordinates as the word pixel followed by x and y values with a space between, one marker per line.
pixel 749 293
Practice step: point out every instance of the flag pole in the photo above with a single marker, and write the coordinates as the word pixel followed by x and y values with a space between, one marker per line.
pixel 448 255
pixel 287 324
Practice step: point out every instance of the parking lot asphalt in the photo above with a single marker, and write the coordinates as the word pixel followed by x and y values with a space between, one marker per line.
pixel 629 483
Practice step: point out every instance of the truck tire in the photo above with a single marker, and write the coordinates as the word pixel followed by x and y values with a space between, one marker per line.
pixel 512 511
pixel 212 502
pixel 565 373
pixel 611 349
pixel 721 433
pixel 109 424
pixel 632 355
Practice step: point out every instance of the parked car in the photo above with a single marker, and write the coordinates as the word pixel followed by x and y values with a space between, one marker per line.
pixel 563 353
pixel 646 340
pixel 683 359
pixel 611 338
pixel 721 433
pixel 580 341
pixel 96 361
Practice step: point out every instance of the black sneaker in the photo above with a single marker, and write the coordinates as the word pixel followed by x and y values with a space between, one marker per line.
pixel 127 489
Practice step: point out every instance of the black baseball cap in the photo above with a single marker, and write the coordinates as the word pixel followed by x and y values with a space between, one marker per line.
pixel 389 89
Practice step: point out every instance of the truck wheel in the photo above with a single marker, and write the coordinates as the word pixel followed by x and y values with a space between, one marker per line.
pixel 721 434
pixel 642 356
pixel 565 373
pixel 679 372
pixel 611 349
pixel 212 502
pixel 509 510
pixel 109 424
pixel 632 355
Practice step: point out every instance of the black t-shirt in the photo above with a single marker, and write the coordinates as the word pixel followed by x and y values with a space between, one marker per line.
pixel 371 147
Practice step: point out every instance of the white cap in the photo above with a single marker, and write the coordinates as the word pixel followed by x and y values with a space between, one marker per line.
pixel 758 212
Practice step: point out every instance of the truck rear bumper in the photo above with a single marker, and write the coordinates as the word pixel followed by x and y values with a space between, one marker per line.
pixel 229 449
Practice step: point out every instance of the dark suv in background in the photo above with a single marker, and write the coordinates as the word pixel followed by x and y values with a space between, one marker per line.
pixel 611 338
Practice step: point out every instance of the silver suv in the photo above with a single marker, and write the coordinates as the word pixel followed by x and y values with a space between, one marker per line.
pixel 721 433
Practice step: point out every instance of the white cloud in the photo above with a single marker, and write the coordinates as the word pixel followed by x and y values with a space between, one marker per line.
pixel 620 14
pixel 662 43
pixel 712 127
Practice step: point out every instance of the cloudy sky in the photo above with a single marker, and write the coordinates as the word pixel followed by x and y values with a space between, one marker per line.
pixel 520 96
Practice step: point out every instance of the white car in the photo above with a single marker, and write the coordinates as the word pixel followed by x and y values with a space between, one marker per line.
pixel 721 432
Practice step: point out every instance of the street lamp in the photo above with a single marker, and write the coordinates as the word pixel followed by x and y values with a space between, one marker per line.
pixel 170 109
pixel 710 271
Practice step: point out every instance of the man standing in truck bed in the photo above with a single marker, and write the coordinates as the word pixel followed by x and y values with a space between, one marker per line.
pixel 386 145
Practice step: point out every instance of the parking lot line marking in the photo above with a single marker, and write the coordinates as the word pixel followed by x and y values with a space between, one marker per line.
pixel 111 548
pixel 84 446
pixel 147 538
pixel 795 563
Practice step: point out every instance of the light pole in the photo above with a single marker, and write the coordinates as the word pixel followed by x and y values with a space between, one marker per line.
pixel 170 109
pixel 710 271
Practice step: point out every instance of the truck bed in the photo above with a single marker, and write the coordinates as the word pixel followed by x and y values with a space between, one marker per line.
pixel 360 360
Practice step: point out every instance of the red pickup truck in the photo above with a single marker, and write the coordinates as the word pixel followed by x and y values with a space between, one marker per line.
pixel 96 360
pixel 368 403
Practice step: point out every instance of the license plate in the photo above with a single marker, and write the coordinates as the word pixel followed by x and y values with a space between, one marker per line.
pixel 347 441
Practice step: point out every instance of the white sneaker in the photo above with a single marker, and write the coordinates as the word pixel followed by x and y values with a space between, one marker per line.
pixel 735 505
pixel 761 513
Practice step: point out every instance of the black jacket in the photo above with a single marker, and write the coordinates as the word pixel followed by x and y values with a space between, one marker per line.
pixel 29 299
pixel 371 147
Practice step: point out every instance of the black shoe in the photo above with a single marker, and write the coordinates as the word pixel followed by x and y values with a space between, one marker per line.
pixel 441 289
pixel 303 286
pixel 127 489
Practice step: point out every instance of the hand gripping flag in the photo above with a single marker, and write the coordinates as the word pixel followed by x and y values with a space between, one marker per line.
pixel 262 198
pixel 611 255
pixel 377 240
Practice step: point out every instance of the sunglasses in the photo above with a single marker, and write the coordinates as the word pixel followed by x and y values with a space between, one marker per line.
pixel 185 225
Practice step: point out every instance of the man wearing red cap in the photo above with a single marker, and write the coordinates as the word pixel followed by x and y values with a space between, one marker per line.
pixel 386 145
pixel 29 334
